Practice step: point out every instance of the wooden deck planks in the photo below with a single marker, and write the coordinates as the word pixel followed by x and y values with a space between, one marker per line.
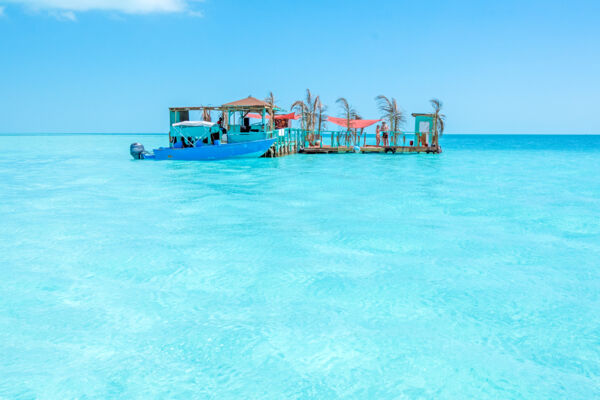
pixel 372 149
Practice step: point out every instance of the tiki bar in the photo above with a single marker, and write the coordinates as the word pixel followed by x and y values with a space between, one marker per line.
pixel 251 127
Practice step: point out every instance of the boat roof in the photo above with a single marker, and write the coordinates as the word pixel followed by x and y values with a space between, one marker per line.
pixel 247 104
pixel 248 101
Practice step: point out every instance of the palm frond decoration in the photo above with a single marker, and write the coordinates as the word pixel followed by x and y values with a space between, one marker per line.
pixel 309 112
pixel 314 111
pixel 321 118
pixel 300 107
pixel 438 119
pixel 390 111
pixel 349 113
pixel 347 110
pixel 270 99
pixel 308 98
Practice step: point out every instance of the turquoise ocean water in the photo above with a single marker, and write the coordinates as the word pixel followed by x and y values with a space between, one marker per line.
pixel 470 274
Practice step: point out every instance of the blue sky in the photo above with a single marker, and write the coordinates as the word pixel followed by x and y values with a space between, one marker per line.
pixel 117 65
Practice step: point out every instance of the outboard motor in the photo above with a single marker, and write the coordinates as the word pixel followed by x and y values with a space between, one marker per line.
pixel 137 151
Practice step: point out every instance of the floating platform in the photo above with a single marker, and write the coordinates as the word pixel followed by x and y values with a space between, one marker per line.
pixel 372 149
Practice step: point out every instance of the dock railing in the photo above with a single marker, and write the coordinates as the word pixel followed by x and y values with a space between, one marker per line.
pixel 289 140
pixel 293 140
pixel 351 138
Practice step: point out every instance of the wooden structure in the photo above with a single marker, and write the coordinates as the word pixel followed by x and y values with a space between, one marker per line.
pixel 370 149
pixel 289 141
pixel 399 143
pixel 229 112
pixel 235 117
pixel 426 130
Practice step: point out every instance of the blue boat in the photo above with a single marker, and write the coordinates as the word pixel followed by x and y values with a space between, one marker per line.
pixel 231 137
pixel 214 152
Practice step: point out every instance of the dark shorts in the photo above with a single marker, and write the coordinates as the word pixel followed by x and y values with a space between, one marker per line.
pixel 385 135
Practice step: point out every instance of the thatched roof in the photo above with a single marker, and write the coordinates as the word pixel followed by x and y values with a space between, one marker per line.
pixel 423 115
pixel 248 102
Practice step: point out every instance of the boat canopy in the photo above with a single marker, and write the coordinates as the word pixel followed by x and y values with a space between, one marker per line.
pixel 195 123
pixel 196 129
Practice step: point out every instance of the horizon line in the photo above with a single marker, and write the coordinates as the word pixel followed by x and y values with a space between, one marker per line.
pixel 166 133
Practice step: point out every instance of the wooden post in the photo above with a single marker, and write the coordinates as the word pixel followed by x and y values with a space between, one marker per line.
pixel 434 134
pixel 272 122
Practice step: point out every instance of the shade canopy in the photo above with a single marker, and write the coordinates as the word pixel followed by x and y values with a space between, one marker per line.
pixel 195 123
pixel 281 116
pixel 248 102
pixel 354 123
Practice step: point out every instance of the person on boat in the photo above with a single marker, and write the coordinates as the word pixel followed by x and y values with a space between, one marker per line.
pixel 377 137
pixel 215 135
pixel 221 125
pixel 385 133
pixel 177 144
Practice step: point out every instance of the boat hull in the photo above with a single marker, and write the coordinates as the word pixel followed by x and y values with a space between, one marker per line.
pixel 217 152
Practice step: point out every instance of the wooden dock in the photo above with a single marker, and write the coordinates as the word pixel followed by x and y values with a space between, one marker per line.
pixel 292 141
pixel 283 148
pixel 371 149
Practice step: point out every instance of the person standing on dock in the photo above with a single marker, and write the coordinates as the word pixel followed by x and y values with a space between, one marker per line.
pixel 385 133
pixel 377 138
